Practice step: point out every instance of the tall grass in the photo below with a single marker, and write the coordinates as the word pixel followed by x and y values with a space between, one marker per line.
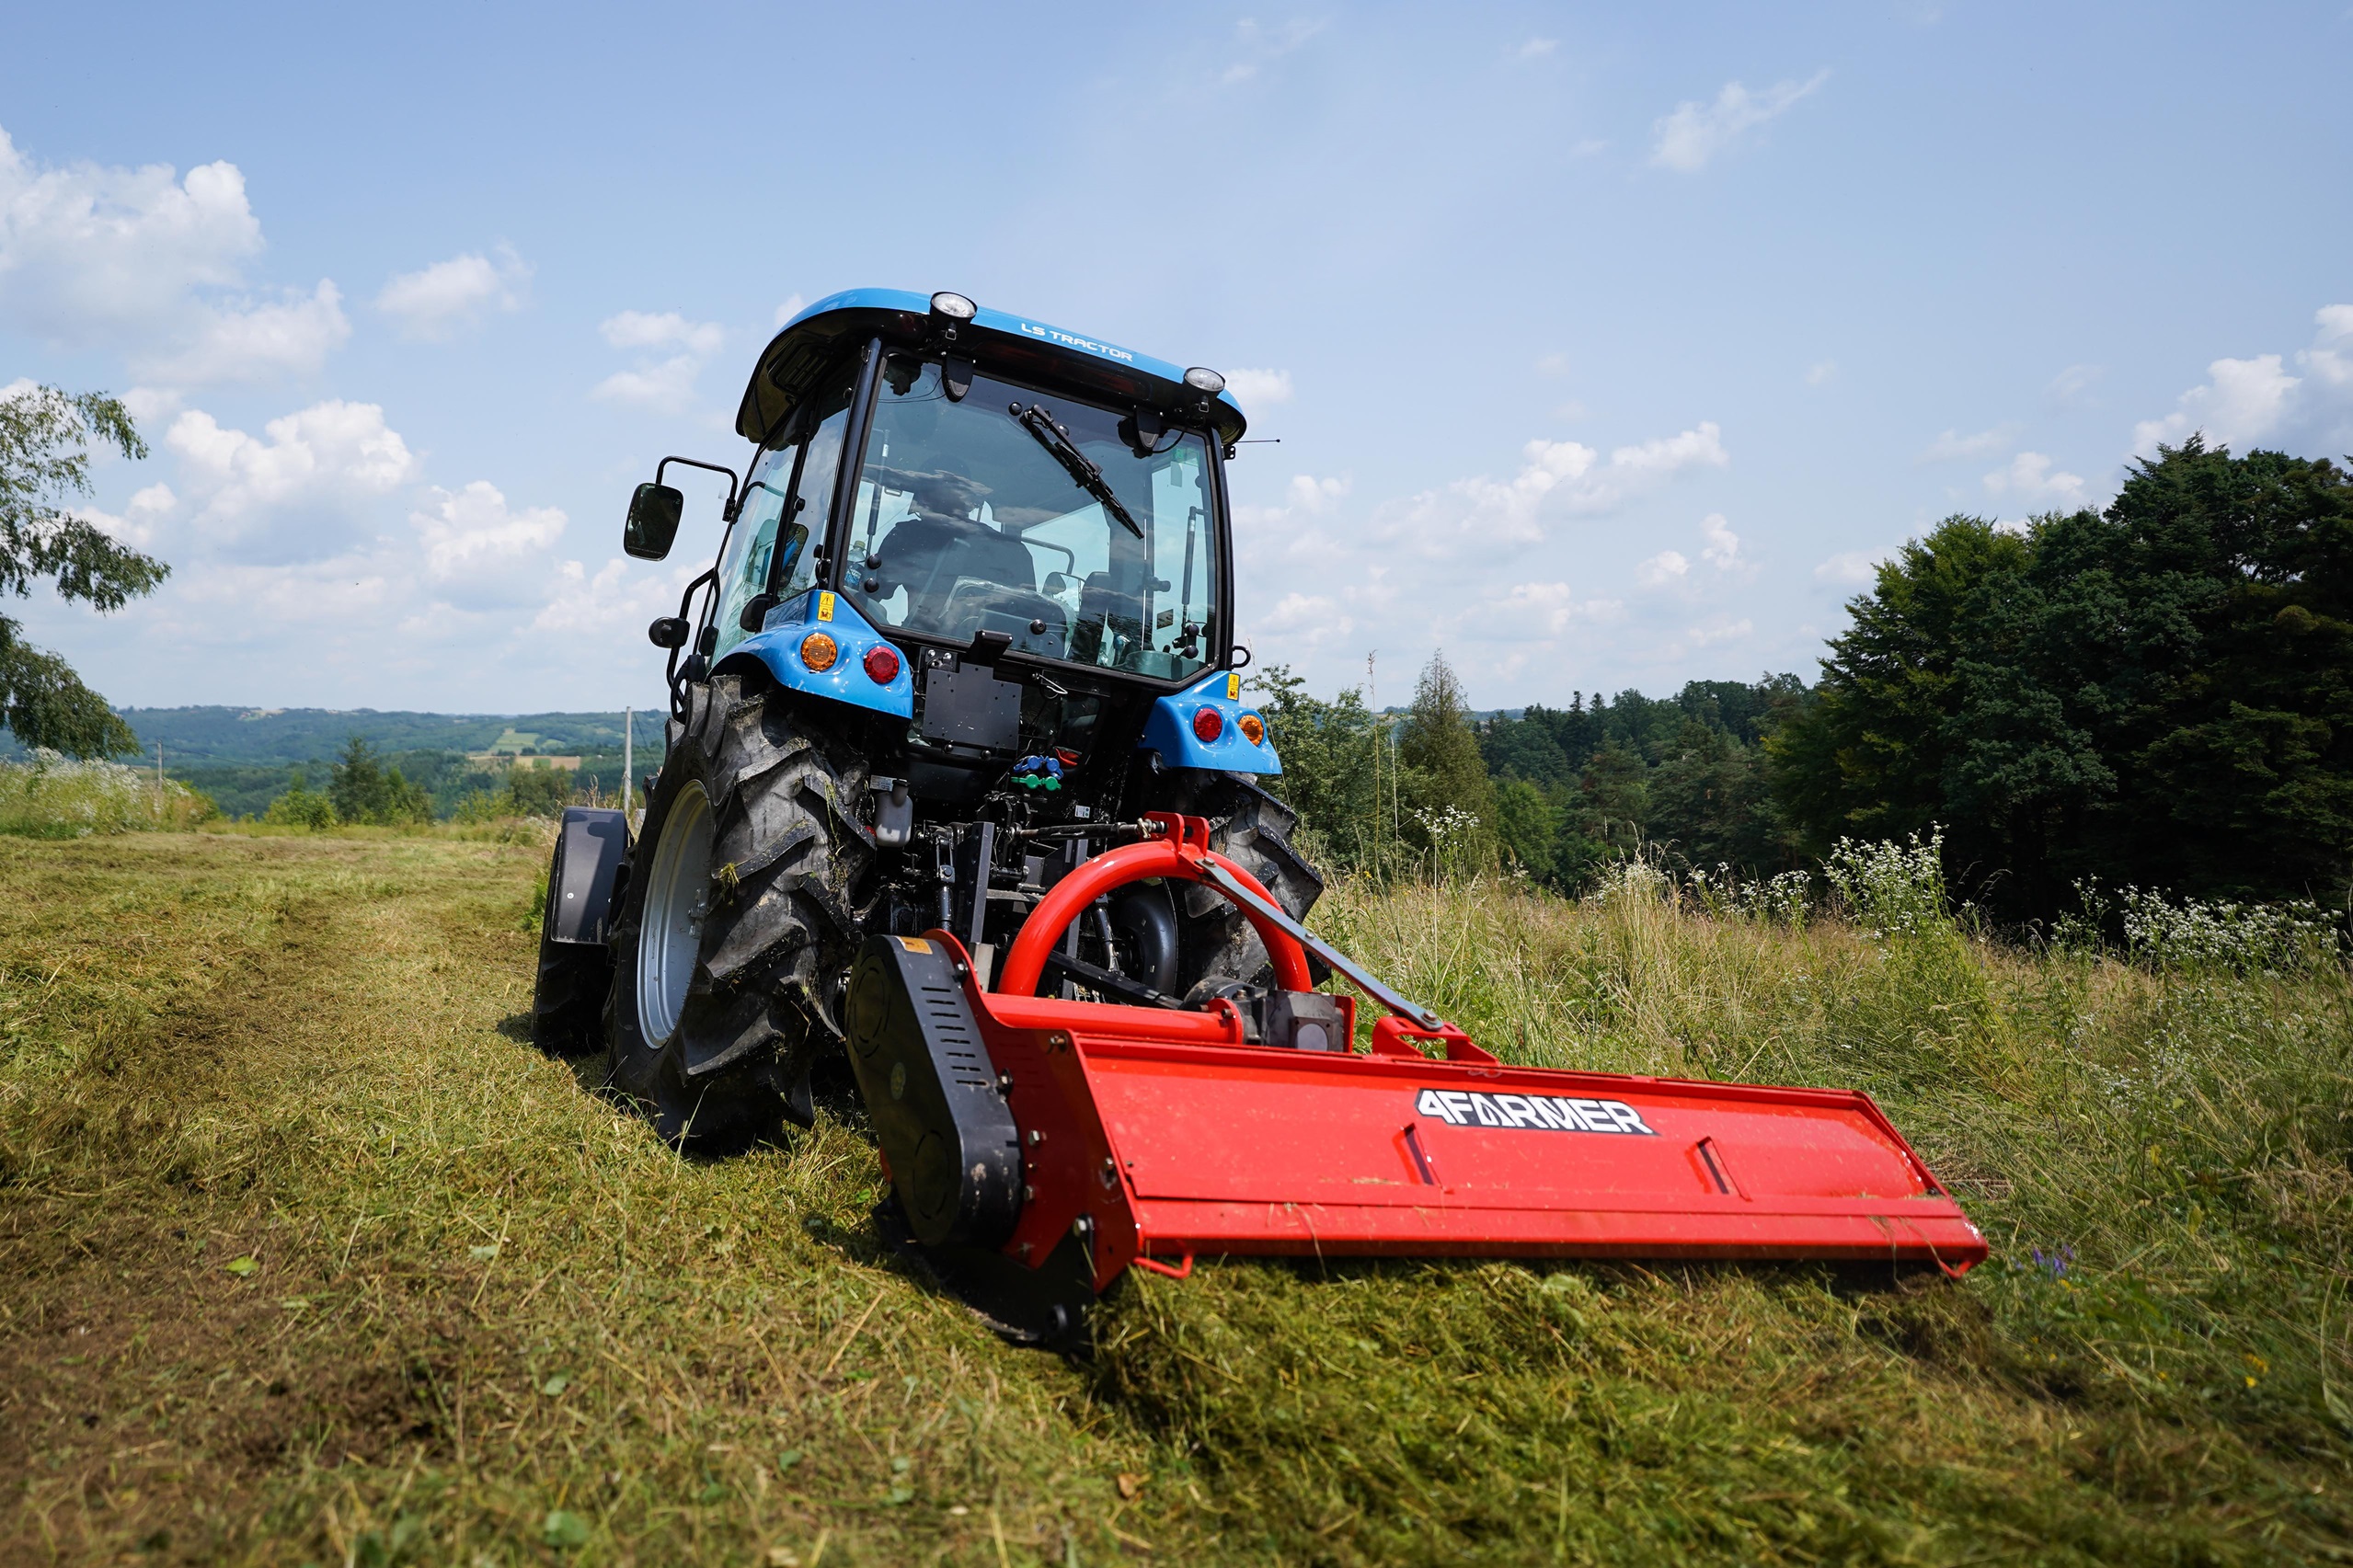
pixel 306 1255
pixel 53 797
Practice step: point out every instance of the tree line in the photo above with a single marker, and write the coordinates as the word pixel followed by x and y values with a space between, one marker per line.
pixel 2158 694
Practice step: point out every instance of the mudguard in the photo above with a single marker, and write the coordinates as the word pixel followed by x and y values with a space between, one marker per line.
pixel 777 649
pixel 590 848
pixel 1169 730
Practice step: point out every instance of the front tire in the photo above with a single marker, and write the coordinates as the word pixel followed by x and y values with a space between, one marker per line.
pixel 742 916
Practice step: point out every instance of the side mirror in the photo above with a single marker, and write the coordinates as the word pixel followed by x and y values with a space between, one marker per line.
pixel 670 631
pixel 654 511
pixel 754 614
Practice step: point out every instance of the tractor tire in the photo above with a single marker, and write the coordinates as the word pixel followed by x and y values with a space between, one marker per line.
pixel 1216 948
pixel 740 921
pixel 567 1002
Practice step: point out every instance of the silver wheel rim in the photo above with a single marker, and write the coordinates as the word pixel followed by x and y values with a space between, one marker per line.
pixel 670 938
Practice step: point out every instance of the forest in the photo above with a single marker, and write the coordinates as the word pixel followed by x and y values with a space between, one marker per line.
pixel 2158 694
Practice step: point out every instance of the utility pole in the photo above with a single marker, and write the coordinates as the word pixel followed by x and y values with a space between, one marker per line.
pixel 1372 702
pixel 628 761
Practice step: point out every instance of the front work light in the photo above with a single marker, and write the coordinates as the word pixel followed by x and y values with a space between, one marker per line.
pixel 1208 381
pixel 818 651
pixel 882 664
pixel 1208 724
pixel 954 306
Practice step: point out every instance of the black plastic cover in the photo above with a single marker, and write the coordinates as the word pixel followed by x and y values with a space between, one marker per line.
pixel 955 1153
pixel 590 848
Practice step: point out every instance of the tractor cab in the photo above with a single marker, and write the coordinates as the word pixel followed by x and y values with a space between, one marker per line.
pixel 1010 537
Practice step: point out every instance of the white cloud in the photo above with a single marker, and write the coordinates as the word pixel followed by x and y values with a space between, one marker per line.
pixel 254 343
pixel 98 255
pixel 1557 479
pixel 794 305
pixel 479 551
pixel 1823 372
pixel 620 597
pixel 1723 546
pixel 2243 402
pixel 1850 568
pixel 1259 46
pixel 1723 632
pixel 1535 49
pixel 2330 358
pixel 1532 611
pixel 273 497
pixel 2074 381
pixel 1253 387
pixel 2030 480
pixel 665 385
pixel 1696 133
pixel 1667 566
pixel 1952 444
pixel 438 301
pixel 137 527
pixel 1555 364
pixel 639 329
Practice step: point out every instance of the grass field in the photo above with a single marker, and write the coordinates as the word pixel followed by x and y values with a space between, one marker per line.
pixel 306 1256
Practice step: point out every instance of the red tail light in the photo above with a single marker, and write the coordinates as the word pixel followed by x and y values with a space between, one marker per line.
pixel 1208 724
pixel 882 664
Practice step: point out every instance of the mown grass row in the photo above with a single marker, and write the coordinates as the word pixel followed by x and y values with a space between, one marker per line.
pixel 306 1256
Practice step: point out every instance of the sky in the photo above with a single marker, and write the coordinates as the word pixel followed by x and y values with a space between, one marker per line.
pixel 1599 346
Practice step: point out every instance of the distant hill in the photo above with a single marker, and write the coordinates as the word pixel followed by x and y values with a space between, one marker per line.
pixel 244 757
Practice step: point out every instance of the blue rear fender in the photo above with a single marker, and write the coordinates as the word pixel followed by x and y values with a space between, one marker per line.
pixel 777 647
pixel 1175 729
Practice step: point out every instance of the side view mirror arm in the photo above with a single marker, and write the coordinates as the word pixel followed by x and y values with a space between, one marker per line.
pixel 733 500
pixel 670 670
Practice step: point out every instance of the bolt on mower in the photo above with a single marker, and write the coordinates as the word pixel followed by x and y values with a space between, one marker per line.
pixel 962 788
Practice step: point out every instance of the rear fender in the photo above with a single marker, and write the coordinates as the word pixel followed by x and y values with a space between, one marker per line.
pixel 776 649
pixel 589 847
pixel 1169 730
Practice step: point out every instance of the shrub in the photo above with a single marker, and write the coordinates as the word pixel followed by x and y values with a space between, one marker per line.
pixel 302 808
pixel 53 797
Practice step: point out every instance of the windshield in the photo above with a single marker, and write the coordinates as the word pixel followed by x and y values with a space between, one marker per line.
pixel 967 521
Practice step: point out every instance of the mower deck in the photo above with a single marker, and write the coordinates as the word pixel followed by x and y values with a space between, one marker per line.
pixel 1064 1141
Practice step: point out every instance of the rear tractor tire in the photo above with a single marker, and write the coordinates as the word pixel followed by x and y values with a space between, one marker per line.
pixel 1218 948
pixel 741 916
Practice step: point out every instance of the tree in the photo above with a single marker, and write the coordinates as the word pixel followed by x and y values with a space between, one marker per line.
pixel 45 440
pixel 364 790
pixel 1328 753
pixel 2158 693
pixel 1442 768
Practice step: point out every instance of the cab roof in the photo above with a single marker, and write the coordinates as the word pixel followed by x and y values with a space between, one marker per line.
pixel 996 341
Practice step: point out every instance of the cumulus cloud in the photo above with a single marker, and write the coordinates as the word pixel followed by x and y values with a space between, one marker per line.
pixel 1850 568
pixel 1556 479
pixel 1697 132
pixel 2031 480
pixel 1257 387
pixel 1533 612
pixel 137 525
pixel 1535 49
pixel 1665 568
pixel 277 495
pixel 480 553
pixel 437 302
pixel 660 380
pixel 1722 631
pixel 91 254
pixel 1821 372
pixel 1722 549
pixel 1257 46
pixel 139 260
pixel 1952 444
pixel 253 342
pixel 2258 402
pixel 794 305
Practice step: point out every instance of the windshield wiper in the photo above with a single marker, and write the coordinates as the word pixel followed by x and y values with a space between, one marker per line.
pixel 1083 470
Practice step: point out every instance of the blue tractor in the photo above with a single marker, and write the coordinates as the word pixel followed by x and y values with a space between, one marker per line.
pixel 972 618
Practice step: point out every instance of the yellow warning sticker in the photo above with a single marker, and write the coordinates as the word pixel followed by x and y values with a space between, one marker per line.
pixel 825 607
pixel 914 944
pixel 1233 685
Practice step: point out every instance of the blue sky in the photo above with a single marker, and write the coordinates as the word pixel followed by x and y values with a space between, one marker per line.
pixel 1607 346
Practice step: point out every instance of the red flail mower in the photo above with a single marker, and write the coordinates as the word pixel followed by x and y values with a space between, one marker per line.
pixel 1038 1148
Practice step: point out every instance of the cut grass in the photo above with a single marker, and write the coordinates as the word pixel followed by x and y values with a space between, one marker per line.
pixel 309 1257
